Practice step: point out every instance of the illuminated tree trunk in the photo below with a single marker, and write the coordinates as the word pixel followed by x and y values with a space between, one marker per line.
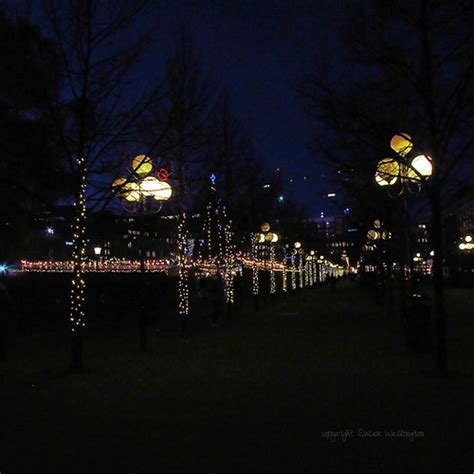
pixel 78 284
pixel 300 269
pixel 183 287
pixel 255 283
pixel 272 270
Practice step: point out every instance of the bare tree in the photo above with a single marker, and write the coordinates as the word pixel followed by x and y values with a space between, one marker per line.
pixel 176 126
pixel 412 66
pixel 97 111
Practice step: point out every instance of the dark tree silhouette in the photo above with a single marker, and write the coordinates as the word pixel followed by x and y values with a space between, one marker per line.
pixel 411 70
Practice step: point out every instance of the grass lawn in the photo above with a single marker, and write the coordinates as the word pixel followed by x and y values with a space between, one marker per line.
pixel 256 394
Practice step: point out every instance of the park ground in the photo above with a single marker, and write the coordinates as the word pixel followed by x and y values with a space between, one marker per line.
pixel 312 383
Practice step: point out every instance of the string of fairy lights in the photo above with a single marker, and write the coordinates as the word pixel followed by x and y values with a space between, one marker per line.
pixel 229 263
pixel 272 270
pixel 183 286
pixel 77 295
pixel 300 269
pixel 255 283
pixel 293 272
pixel 217 244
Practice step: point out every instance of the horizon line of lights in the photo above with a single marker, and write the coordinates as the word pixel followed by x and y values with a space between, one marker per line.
pixel 152 265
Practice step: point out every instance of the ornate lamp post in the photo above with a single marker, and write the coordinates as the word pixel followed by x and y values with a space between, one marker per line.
pixel 143 192
pixel 403 174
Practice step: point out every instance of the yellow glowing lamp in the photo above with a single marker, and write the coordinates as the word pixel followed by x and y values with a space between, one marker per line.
pixel 312 252
pixel 131 192
pixel 142 164
pixel 377 224
pixel 468 238
pixel 265 227
pixel 386 235
pixel 117 185
pixel 462 246
pixel 372 234
pixel 163 191
pixel 387 172
pixel 268 237
pixel 422 166
pixel 297 245
pixel 274 238
pixel 401 144
pixel 149 185
pixel 261 238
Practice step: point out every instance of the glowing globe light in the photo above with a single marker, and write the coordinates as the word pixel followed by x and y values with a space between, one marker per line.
pixel 462 246
pixel 468 238
pixel 163 192
pixel 401 144
pixel 274 238
pixel 142 164
pixel 387 172
pixel 261 238
pixel 269 237
pixel 297 245
pixel 265 227
pixel 117 185
pixel 420 166
pixel 372 234
pixel 131 192
pixel 377 224
pixel 149 185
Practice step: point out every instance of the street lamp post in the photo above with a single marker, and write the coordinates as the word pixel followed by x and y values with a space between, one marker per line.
pixel 143 192
pixel 403 174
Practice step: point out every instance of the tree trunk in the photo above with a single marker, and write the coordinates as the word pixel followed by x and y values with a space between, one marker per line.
pixel 439 315
pixel 76 353
pixel 77 310
pixel 142 322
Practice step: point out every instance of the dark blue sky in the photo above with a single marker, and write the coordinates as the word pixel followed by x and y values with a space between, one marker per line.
pixel 259 50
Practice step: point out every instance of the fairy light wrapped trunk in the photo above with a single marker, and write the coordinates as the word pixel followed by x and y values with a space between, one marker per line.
pixel 78 284
pixel 300 269
pixel 293 272
pixel 183 284
pixel 283 275
pixel 255 283
pixel 272 269
pixel 229 261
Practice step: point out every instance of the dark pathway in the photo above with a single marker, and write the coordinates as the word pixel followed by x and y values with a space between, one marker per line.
pixel 272 392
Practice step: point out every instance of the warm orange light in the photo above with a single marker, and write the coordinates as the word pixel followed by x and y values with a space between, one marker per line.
pixel 401 143
pixel 387 172
pixel 142 164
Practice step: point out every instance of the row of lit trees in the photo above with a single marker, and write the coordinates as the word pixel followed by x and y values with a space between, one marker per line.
pixel 97 114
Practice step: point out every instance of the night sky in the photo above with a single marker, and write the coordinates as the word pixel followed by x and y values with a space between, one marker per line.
pixel 259 51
